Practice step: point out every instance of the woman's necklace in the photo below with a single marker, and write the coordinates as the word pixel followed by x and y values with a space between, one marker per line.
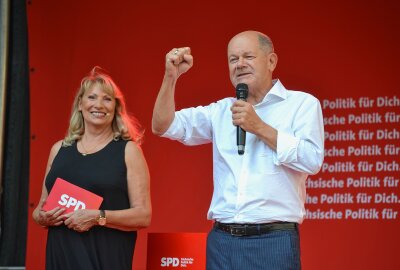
pixel 93 149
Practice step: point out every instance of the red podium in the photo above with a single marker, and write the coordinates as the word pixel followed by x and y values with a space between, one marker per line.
pixel 176 251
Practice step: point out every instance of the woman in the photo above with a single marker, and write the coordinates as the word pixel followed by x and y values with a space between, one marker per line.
pixel 100 153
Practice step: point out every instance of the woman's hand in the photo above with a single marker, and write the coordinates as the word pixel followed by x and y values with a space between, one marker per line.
pixel 81 220
pixel 53 217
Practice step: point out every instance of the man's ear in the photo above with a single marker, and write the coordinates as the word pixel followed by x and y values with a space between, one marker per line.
pixel 272 61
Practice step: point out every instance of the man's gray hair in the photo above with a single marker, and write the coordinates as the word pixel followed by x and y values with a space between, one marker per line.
pixel 265 43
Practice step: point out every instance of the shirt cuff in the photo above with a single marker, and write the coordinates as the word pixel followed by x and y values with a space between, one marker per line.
pixel 286 149
pixel 174 131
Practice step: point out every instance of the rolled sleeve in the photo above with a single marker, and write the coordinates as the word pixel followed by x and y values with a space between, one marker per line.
pixel 286 150
pixel 175 130
pixel 191 126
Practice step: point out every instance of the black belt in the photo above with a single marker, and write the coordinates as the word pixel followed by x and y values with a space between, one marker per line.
pixel 254 229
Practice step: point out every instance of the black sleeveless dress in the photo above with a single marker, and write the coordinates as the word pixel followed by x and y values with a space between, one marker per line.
pixel 103 173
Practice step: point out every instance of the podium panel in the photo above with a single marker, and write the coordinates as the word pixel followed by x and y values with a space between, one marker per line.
pixel 176 251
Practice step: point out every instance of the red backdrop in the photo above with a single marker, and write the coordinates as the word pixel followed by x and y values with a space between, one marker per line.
pixel 334 49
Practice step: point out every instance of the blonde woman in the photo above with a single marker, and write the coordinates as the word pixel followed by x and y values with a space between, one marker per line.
pixel 100 153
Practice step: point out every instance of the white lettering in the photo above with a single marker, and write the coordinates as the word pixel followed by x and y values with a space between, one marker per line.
pixel 63 200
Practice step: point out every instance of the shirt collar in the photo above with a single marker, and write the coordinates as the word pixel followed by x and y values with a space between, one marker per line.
pixel 276 93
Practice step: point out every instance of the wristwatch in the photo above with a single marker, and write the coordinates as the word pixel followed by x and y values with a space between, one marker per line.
pixel 101 219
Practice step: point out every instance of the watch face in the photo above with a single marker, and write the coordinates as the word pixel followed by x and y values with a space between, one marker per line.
pixel 102 221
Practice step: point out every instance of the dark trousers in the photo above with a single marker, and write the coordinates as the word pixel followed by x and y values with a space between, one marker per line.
pixel 277 250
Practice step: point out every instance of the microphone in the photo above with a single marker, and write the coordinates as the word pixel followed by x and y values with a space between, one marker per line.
pixel 242 91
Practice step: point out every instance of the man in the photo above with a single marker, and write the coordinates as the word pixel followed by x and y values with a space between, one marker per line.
pixel 258 198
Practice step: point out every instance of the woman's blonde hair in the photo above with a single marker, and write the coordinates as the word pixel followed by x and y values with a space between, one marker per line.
pixel 124 126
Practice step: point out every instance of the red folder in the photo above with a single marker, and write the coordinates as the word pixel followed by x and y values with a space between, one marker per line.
pixel 71 197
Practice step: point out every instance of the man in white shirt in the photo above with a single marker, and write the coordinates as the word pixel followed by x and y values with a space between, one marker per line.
pixel 258 198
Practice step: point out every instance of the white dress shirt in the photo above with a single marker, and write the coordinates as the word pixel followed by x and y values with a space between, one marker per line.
pixel 262 185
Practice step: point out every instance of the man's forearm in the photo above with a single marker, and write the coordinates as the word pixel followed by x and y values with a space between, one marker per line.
pixel 164 108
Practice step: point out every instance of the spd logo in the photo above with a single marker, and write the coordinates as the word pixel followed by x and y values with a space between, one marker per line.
pixel 68 201
pixel 169 262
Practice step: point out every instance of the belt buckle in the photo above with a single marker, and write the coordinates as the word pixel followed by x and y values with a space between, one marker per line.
pixel 236 230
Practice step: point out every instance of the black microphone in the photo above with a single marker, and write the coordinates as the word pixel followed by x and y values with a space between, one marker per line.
pixel 242 91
